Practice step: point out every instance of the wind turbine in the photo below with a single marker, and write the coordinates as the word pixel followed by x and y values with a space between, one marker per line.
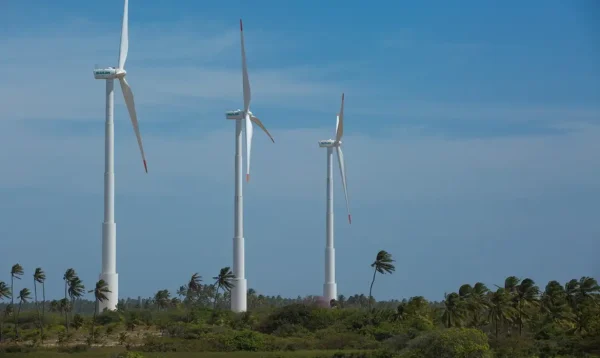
pixel 109 233
pixel 330 287
pixel 238 293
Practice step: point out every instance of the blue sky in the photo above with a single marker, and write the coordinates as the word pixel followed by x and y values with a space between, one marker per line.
pixel 471 141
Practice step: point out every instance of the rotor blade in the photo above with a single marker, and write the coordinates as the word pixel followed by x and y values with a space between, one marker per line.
pixel 249 131
pixel 124 37
pixel 246 81
pixel 343 173
pixel 128 95
pixel 259 123
pixel 339 127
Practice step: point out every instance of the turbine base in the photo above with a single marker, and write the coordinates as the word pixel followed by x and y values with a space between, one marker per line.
pixel 239 295
pixel 330 291
pixel 112 279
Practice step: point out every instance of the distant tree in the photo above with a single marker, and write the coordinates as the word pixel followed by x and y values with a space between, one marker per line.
pixel 500 309
pixel 526 294
pixel 5 292
pixel 69 275
pixel 76 291
pixel 162 299
pixel 382 264
pixel 16 271
pixel 224 281
pixel 453 310
pixel 40 277
pixel 24 297
pixel 99 292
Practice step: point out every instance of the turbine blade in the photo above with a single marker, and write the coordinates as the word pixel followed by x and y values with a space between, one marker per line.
pixel 339 127
pixel 246 81
pixel 341 162
pixel 128 95
pixel 124 37
pixel 249 131
pixel 259 123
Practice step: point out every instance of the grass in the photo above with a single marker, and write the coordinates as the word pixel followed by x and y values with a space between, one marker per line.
pixel 112 352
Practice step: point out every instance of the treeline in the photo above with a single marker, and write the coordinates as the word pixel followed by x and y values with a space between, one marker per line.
pixel 517 318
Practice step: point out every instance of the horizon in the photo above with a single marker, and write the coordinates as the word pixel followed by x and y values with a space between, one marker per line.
pixel 471 141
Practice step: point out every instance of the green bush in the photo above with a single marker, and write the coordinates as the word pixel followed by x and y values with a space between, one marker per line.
pixel 449 343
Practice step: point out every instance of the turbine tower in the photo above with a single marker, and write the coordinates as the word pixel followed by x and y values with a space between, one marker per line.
pixel 239 291
pixel 330 286
pixel 109 233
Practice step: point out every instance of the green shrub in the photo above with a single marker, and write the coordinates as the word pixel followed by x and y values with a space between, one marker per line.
pixel 449 343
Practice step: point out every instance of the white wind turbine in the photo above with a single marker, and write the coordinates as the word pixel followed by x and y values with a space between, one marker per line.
pixel 109 239
pixel 239 291
pixel 330 286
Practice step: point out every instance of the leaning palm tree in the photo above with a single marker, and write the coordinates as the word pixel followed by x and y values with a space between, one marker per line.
pixel 477 302
pixel 579 293
pixel 453 310
pixel 554 303
pixel 4 293
pixel 15 272
pixel 69 275
pixel 500 308
pixel 76 290
pixel 382 264
pixel 39 277
pixel 223 280
pixel 8 310
pixel 162 299
pixel 24 296
pixel 99 296
pixel 526 294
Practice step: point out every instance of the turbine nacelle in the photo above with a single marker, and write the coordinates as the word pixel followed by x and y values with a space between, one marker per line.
pixel 109 73
pixel 329 143
pixel 237 114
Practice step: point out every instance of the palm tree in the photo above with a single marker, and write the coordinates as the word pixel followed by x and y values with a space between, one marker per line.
pixel 162 299
pixel 478 302
pixel 526 294
pixel 382 264
pixel 67 277
pixel 15 272
pixel 76 290
pixel 453 310
pixel 8 310
pixel 24 296
pixel 579 293
pixel 4 293
pixel 500 308
pixel 39 277
pixel 223 280
pixel 99 296
pixel 554 303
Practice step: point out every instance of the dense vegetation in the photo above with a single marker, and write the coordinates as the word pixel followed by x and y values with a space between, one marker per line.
pixel 516 319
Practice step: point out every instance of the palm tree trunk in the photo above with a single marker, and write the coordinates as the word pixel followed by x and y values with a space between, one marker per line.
pixel 12 290
pixel 43 310
pixel 94 323
pixel 17 320
pixel 37 308
pixel 496 328
pixel 66 309
pixel 371 288
pixel 520 317
pixel 216 296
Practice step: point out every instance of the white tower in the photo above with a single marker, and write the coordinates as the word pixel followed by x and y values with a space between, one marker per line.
pixel 109 231
pixel 240 288
pixel 330 286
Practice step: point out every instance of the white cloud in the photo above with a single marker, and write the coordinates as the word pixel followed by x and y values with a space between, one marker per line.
pixel 49 74
pixel 399 166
